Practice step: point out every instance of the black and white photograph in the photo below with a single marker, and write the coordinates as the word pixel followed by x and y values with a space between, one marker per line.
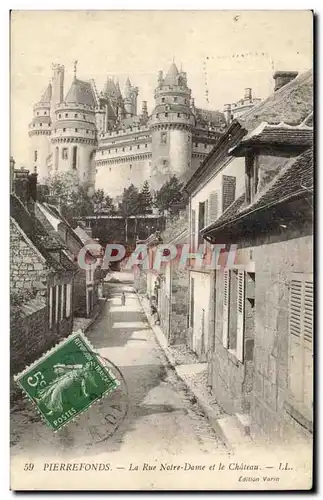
pixel 161 250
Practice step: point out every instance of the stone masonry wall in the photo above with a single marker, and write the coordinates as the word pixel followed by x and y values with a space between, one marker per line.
pixel 275 263
pixel 27 266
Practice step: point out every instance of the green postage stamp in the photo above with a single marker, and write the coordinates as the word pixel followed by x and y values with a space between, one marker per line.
pixel 67 380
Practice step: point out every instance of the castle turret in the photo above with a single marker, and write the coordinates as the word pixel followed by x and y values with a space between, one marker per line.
pixel 171 126
pixel 39 132
pixel 130 99
pixel 57 88
pixel 74 138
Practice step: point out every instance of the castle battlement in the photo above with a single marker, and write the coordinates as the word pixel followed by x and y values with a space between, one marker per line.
pixel 98 133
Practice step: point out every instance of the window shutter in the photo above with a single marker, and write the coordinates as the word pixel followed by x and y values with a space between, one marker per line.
pixel 206 214
pixel 300 341
pixel 57 303
pixel 192 303
pixel 228 191
pixel 213 205
pixel 240 315
pixel 226 305
pixel 62 301
pixel 50 307
pixel 68 300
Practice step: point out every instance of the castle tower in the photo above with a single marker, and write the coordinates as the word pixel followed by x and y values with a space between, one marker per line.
pixel 74 138
pixel 39 132
pixel 130 99
pixel 171 126
pixel 57 88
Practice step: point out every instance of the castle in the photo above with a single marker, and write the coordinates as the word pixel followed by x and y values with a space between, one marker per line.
pixel 103 138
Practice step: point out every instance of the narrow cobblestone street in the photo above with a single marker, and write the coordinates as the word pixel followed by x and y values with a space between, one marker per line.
pixel 162 416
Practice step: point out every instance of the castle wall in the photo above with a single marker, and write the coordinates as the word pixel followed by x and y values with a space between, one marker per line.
pixel 116 176
pixel 41 144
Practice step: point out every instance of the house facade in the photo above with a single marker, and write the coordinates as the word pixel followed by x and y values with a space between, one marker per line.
pixel 260 345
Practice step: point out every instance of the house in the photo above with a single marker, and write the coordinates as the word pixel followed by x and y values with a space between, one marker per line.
pixel 260 345
pixel 86 281
pixel 41 279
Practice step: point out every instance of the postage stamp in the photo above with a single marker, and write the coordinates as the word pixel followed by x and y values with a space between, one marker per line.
pixel 66 380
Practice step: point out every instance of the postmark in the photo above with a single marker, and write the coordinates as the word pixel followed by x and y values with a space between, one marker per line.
pixel 67 380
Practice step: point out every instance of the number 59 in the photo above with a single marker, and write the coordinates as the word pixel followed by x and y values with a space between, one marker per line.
pixel 35 379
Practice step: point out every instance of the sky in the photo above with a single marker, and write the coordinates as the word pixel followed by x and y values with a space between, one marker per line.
pixel 221 51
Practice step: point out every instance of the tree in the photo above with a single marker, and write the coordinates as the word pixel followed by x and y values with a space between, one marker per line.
pixel 130 203
pixel 170 195
pixel 72 198
pixel 102 203
pixel 145 198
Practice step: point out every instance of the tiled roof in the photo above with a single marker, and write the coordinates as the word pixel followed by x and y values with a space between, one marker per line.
pixel 276 135
pixel 81 93
pixel 52 209
pixel 206 116
pixel 111 88
pixel 291 104
pixel 295 179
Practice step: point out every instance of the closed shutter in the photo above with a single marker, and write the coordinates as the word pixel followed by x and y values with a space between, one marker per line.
pixel 62 301
pixel 54 304
pixel 57 303
pixel 50 315
pixel 213 207
pixel 68 300
pixel 226 306
pixel 228 191
pixel 301 341
pixel 240 315
pixel 206 215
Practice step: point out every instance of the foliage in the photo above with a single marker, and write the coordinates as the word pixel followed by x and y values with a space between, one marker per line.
pixel 145 198
pixel 170 196
pixel 130 203
pixel 102 203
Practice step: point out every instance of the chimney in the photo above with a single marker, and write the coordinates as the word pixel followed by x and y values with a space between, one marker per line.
pixel 283 77
pixel 227 113
pixel 144 111
pixel 248 94
pixel 20 184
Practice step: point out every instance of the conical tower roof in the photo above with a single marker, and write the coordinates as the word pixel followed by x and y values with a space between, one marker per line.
pixel 111 89
pixel 80 93
pixel 172 75
pixel 46 96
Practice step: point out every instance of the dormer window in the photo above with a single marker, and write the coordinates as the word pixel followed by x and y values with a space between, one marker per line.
pixel 252 176
pixel 175 99
pixel 163 99
pixel 66 115
pixel 75 116
pixel 59 116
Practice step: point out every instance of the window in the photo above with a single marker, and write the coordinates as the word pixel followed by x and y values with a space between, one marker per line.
pixel 300 372
pixel 59 116
pixel 37 113
pixel 87 131
pixel 163 99
pixel 35 155
pixel 76 115
pixel 175 99
pixel 64 129
pixel 130 166
pixel 116 150
pixel 205 146
pixel 66 115
pixel 166 115
pixel 122 149
pixel 146 145
pixel 74 159
pixel 178 115
pixel 130 148
pixel 64 153
pixel 76 130
pixel 138 147
pixel 40 124
pixel 84 117
pixel 68 299
pixel 53 309
pixel 45 112
pixel 252 173
pixel 163 137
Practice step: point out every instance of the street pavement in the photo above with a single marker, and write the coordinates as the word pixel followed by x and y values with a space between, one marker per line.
pixel 163 418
